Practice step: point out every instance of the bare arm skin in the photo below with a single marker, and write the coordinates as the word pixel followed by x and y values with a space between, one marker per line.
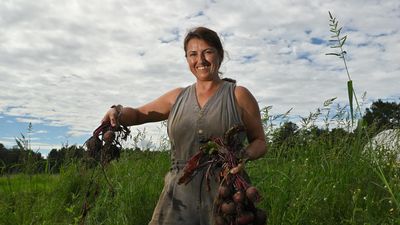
pixel 154 111
pixel 251 117
pixel 160 108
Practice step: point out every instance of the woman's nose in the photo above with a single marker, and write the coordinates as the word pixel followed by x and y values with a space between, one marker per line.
pixel 203 58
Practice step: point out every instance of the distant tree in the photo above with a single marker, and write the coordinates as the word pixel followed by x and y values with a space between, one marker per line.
pixel 19 159
pixel 16 160
pixel 73 152
pixel 284 134
pixel 339 132
pixel 55 159
pixel 2 147
pixel 3 158
pixel 59 157
pixel 382 115
pixel 281 138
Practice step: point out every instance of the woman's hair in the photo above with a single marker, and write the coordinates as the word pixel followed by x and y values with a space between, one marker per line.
pixel 209 36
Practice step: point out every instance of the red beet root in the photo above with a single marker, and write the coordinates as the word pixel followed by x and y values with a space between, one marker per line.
pixel 224 191
pixel 108 136
pixel 245 218
pixel 238 197
pixel 252 194
pixel 228 207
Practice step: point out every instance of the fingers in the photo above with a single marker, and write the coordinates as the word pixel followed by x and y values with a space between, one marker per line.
pixel 105 119
pixel 111 117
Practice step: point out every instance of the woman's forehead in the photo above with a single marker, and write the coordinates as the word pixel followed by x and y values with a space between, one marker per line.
pixel 196 44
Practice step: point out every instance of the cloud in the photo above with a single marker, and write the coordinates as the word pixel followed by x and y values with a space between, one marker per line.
pixel 65 63
pixel 29 120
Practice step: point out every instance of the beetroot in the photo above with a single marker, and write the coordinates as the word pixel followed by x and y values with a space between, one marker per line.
pixel 235 199
pixel 238 197
pixel 108 136
pixel 252 194
pixel 224 191
pixel 228 208
pixel 245 218
pixel 108 147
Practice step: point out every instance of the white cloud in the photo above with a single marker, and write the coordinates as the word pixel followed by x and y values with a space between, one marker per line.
pixel 65 63
pixel 29 120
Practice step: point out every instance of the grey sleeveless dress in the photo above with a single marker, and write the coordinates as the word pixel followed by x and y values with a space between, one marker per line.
pixel 189 126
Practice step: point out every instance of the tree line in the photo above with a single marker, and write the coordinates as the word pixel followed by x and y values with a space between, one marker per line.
pixel 20 158
pixel 17 160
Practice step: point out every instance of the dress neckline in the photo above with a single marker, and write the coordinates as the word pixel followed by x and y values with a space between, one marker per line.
pixel 210 99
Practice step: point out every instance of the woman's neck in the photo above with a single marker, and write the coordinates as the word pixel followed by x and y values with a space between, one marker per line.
pixel 208 86
pixel 206 89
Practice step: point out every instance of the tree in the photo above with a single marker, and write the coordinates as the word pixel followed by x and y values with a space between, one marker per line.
pixel 284 133
pixel 67 154
pixel 382 115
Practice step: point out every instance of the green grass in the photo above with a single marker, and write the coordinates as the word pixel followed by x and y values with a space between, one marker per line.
pixel 136 179
pixel 326 183
pixel 315 182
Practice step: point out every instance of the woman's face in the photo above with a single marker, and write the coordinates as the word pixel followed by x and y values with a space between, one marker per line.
pixel 203 59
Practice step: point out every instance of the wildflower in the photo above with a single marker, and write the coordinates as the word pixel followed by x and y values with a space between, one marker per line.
pixel 325 199
pixel 365 198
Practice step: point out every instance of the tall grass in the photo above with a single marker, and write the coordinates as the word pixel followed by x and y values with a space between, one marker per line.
pixel 136 179
pixel 324 180
pixel 327 182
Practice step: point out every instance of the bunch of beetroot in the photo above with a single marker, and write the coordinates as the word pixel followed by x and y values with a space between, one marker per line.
pixel 104 145
pixel 236 206
pixel 236 198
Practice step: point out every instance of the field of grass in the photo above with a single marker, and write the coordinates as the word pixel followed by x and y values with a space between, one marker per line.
pixel 136 180
pixel 318 181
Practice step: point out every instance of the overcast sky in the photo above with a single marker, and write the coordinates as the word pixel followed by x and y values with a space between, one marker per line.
pixel 63 63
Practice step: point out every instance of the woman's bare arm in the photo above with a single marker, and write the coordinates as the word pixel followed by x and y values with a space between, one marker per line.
pixel 251 117
pixel 153 111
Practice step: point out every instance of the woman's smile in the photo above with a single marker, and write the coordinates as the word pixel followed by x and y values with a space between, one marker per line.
pixel 203 59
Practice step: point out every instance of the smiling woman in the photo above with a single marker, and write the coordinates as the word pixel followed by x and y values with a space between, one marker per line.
pixel 203 60
pixel 196 114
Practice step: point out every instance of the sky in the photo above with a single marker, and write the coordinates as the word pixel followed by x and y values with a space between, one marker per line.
pixel 64 63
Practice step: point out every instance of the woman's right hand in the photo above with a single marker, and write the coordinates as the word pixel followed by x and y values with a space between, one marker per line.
pixel 112 116
pixel 157 110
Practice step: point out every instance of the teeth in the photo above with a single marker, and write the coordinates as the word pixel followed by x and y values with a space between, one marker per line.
pixel 202 67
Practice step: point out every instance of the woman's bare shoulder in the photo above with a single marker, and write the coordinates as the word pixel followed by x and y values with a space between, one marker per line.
pixel 242 94
pixel 173 94
pixel 167 100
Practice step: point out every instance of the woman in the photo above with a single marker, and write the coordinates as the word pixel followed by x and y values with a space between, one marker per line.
pixel 207 108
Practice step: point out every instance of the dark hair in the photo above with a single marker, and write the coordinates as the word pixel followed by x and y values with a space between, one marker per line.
pixel 208 35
